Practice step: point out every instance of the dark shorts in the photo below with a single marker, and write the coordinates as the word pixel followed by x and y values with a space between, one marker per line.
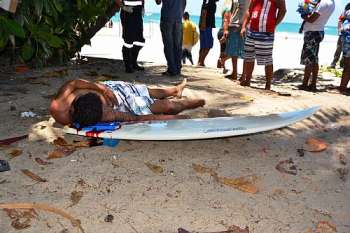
pixel 309 54
pixel 206 38
pixel 345 41
pixel 132 27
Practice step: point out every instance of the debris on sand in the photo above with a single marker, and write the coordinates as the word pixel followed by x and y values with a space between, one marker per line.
pixel 75 197
pixel 287 167
pixel 33 176
pixel 315 145
pixel 231 229
pixel 75 222
pixel 155 168
pixel 244 183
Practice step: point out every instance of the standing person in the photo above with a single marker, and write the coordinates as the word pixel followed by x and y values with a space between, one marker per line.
pixel 262 17
pixel 233 20
pixel 131 17
pixel 190 37
pixel 221 38
pixel 313 35
pixel 345 34
pixel 206 25
pixel 171 28
pixel 339 48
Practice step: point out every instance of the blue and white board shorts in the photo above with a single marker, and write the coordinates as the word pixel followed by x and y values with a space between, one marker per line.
pixel 259 46
pixel 133 98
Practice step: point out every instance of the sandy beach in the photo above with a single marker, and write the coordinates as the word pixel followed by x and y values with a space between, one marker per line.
pixel 287 48
pixel 112 190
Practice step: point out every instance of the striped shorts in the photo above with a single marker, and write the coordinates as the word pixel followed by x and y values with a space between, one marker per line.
pixel 259 45
pixel 132 98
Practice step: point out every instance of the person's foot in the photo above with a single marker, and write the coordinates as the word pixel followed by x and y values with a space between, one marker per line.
pixel 312 88
pixel 129 70
pixel 138 68
pixel 332 66
pixel 245 83
pixel 231 77
pixel 218 64
pixel 181 87
pixel 302 87
pixel 168 73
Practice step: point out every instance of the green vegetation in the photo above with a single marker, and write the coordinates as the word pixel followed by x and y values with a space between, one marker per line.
pixel 45 31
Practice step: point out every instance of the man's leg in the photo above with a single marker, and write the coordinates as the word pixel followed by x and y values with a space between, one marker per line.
pixel 248 68
pixel 314 72
pixel 162 93
pixel 166 29
pixel 346 75
pixel 307 75
pixel 337 53
pixel 139 40
pixel 269 76
pixel 128 43
pixel 233 76
pixel 190 57
pixel 177 40
pixel 175 106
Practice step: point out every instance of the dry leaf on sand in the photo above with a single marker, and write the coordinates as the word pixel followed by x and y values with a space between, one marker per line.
pixel 155 168
pixel 287 167
pixel 75 222
pixel 21 219
pixel 245 183
pixel 60 142
pixel 14 152
pixel 75 197
pixel 42 162
pixel 33 176
pixel 247 98
pixel 325 227
pixel 315 145
pixel 60 153
pixel 201 169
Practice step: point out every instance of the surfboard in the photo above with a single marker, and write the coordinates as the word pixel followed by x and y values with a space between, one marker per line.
pixel 189 129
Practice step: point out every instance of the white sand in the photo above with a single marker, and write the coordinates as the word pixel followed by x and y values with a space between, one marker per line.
pixel 287 48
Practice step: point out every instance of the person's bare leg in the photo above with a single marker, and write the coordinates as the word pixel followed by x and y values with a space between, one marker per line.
pixel 248 68
pixel 162 93
pixel 314 72
pixel 204 55
pixel 175 106
pixel 200 57
pixel 307 74
pixel 233 76
pixel 269 76
pixel 346 75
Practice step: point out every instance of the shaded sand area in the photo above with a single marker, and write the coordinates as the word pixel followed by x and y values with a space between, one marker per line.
pixel 113 189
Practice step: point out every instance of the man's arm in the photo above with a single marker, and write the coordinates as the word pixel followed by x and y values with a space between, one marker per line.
pixel 71 86
pixel 281 5
pixel 110 115
pixel 246 19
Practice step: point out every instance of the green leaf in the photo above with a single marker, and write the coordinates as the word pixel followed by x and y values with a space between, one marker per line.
pixel 27 51
pixel 58 6
pixel 3 41
pixel 54 41
pixel 39 5
pixel 13 27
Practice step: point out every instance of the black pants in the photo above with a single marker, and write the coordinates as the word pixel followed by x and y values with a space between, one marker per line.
pixel 186 54
pixel 132 24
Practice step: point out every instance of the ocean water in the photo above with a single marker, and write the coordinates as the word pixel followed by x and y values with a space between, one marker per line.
pixel 283 27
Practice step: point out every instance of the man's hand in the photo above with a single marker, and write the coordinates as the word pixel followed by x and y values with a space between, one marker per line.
pixel 110 97
pixel 243 32
pixel 226 33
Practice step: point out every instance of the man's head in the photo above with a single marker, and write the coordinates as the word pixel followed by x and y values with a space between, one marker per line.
pixel 186 16
pixel 86 109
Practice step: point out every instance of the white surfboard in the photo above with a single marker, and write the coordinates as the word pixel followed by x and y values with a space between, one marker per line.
pixel 203 128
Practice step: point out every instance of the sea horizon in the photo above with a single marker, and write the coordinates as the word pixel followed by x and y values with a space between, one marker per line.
pixel 288 27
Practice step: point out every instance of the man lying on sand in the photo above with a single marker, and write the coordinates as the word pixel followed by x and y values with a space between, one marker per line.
pixel 86 103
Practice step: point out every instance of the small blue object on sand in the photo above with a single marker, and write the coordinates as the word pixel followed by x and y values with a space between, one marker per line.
pixel 110 142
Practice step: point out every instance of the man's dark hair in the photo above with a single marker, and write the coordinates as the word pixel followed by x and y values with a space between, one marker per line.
pixel 86 110
pixel 347 7
pixel 186 15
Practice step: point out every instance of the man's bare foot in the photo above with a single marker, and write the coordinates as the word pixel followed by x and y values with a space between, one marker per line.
pixel 245 83
pixel 231 76
pixel 180 88
pixel 268 86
